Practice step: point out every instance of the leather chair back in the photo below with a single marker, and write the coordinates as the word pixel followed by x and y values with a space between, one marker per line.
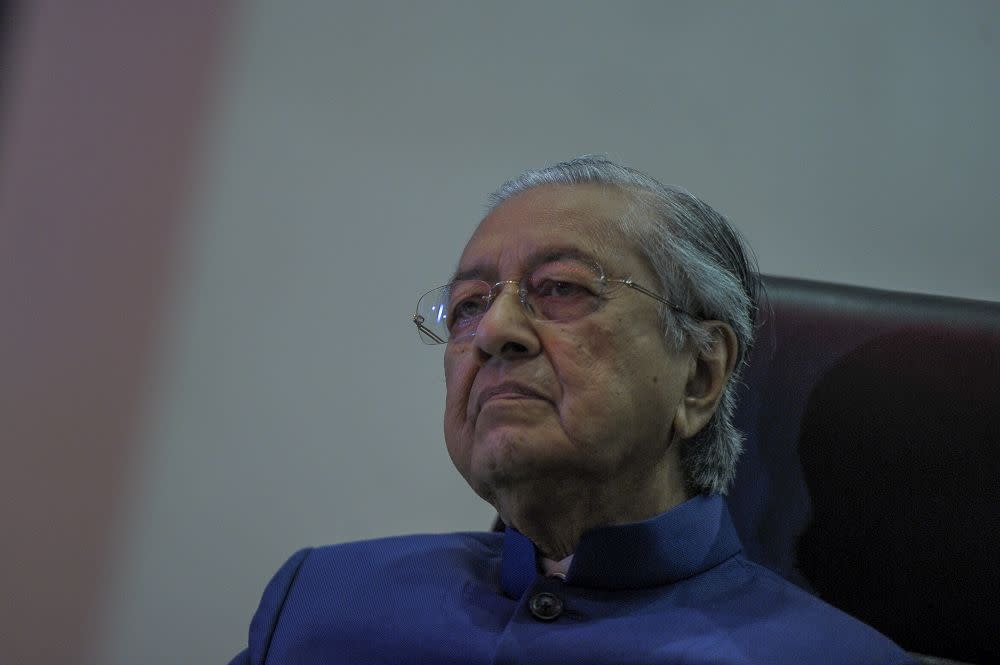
pixel 872 467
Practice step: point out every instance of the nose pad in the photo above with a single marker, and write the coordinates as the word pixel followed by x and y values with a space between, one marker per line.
pixel 505 329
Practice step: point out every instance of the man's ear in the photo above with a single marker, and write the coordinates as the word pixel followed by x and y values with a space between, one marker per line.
pixel 709 373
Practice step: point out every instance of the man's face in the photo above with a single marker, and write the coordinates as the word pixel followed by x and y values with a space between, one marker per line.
pixel 589 401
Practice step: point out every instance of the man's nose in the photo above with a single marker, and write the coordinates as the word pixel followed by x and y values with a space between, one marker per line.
pixel 505 328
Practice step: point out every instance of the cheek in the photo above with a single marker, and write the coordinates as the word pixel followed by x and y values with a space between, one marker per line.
pixel 610 383
pixel 591 371
pixel 459 374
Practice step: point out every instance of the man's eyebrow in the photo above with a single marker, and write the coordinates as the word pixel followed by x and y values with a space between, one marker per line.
pixel 535 259
pixel 478 272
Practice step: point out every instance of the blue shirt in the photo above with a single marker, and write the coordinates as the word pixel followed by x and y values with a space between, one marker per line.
pixel 673 589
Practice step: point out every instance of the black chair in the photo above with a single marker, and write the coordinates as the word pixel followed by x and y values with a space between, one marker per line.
pixel 872 467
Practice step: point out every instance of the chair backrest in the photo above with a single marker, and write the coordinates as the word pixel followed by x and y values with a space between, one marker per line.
pixel 872 467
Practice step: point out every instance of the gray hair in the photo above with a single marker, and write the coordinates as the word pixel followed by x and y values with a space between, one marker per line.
pixel 704 267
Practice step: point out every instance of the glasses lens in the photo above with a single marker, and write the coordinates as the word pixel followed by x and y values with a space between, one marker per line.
pixel 451 311
pixel 564 290
pixel 431 315
pixel 467 301
pixel 555 291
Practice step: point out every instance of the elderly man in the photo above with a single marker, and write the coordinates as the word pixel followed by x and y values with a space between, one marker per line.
pixel 593 330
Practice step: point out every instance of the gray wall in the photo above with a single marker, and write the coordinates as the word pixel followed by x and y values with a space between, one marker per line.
pixel 349 157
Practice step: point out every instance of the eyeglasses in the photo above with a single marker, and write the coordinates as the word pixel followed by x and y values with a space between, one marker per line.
pixel 561 290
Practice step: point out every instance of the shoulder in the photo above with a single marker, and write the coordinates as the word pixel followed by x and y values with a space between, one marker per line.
pixel 435 550
pixel 383 555
pixel 800 621
pixel 315 580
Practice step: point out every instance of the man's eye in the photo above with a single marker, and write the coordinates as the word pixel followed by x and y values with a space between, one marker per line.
pixel 467 309
pixel 554 288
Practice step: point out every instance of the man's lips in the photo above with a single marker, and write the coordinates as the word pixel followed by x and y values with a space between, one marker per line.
pixel 507 390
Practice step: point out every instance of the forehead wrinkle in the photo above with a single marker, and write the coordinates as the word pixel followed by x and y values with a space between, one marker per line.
pixel 533 260
pixel 568 220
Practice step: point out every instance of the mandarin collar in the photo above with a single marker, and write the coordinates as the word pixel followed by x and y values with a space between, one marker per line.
pixel 686 540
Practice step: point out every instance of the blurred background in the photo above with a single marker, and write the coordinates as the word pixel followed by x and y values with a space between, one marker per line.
pixel 216 218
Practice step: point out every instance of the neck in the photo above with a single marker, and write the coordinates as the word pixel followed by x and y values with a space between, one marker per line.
pixel 555 514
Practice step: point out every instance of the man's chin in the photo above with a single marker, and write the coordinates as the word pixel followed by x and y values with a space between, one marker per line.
pixel 509 458
pixel 506 449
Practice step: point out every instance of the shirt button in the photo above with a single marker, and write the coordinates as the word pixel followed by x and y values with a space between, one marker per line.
pixel 545 606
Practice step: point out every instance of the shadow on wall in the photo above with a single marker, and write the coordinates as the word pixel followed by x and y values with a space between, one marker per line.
pixel 7 13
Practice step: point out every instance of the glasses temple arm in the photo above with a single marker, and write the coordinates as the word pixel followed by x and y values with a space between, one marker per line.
pixel 419 322
pixel 655 296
